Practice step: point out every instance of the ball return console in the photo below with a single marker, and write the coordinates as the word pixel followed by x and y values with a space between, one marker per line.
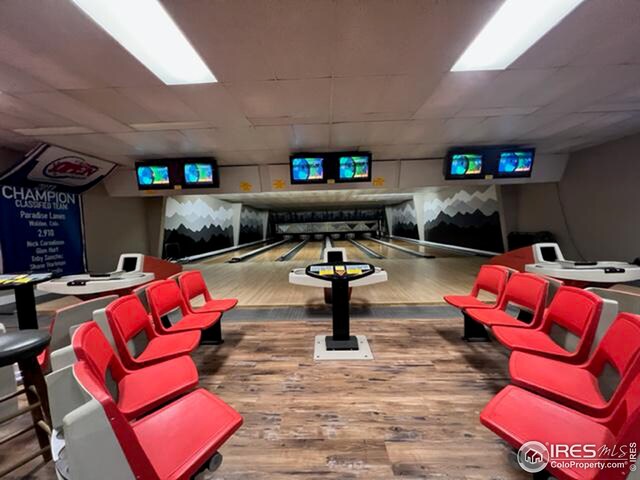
pixel 340 274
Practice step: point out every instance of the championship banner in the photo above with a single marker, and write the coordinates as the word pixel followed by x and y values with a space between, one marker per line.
pixel 40 231
pixel 66 170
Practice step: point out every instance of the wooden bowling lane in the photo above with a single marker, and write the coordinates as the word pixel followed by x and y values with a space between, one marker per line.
pixel 273 254
pixel 428 250
pixel 225 257
pixel 353 252
pixel 387 252
pixel 310 253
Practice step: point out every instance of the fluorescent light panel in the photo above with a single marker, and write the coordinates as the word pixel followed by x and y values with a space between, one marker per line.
pixel 514 28
pixel 147 31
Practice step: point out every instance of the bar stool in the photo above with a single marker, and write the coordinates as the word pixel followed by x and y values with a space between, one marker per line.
pixel 23 347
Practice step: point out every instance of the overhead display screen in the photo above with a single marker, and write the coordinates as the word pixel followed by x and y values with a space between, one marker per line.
pixel 515 163
pixel 153 176
pixel 465 165
pixel 488 162
pixel 200 174
pixel 307 170
pixel 354 168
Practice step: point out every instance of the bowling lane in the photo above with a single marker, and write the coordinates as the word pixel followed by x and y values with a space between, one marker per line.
pixel 385 251
pixel 310 252
pixel 438 252
pixel 225 257
pixel 273 254
pixel 353 252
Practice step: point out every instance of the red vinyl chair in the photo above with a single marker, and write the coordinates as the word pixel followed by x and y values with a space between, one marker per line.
pixel 525 291
pixel 519 416
pixel 492 279
pixel 137 342
pixel 171 313
pixel 192 285
pixel 135 392
pixel 176 442
pixel 567 330
pixel 592 387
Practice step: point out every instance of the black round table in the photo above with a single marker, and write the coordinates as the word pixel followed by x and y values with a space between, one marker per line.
pixel 22 285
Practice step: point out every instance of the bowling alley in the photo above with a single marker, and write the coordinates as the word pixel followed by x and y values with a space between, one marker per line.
pixel 319 239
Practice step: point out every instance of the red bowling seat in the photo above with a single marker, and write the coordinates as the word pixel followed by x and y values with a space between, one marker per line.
pixel 170 311
pixel 172 443
pixel 527 292
pixel 590 387
pixel 519 416
pixel 492 279
pixel 135 392
pixel 567 330
pixel 192 285
pixel 137 341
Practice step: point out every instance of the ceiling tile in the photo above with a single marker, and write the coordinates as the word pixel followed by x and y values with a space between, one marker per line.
pixel 68 107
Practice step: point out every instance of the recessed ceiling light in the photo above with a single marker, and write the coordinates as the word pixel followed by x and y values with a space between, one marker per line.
pixel 73 130
pixel 147 31
pixel 515 27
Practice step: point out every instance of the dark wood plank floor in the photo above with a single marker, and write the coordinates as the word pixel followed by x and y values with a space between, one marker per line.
pixel 412 413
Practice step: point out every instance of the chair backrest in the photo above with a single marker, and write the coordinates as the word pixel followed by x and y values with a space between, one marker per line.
pixel 572 318
pixel 72 316
pixel 141 293
pixel 627 301
pixel 166 303
pixel 91 346
pixel 527 292
pixel 94 432
pixel 616 353
pixel 192 285
pixel 492 279
pixel 131 326
pixel 554 286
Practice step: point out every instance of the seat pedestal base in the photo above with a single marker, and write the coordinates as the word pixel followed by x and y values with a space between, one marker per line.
pixel 474 331
pixel 333 344
pixel 321 352
pixel 212 335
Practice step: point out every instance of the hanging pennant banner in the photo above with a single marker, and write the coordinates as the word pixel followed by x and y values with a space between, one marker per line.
pixel 66 170
pixel 41 231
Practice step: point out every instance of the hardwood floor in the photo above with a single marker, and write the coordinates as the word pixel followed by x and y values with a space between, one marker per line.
pixel 412 413
pixel 411 281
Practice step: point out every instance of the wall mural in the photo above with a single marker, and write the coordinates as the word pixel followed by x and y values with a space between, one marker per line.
pixel 403 220
pixel 464 217
pixel 196 224
pixel 252 223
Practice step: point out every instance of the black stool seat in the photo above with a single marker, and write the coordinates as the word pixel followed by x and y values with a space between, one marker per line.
pixel 16 346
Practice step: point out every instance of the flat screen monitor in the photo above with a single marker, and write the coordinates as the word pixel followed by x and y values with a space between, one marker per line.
pixel 515 163
pixel 548 254
pixel 152 176
pixel 129 264
pixel 200 174
pixel 464 165
pixel 308 169
pixel 354 168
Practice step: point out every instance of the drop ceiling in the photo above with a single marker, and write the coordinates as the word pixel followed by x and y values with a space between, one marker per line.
pixel 316 75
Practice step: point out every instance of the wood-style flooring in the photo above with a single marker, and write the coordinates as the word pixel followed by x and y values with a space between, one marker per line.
pixel 412 413
pixel 411 281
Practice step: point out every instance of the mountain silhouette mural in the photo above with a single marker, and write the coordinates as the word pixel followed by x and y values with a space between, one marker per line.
pixel 196 224
pixel 464 218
